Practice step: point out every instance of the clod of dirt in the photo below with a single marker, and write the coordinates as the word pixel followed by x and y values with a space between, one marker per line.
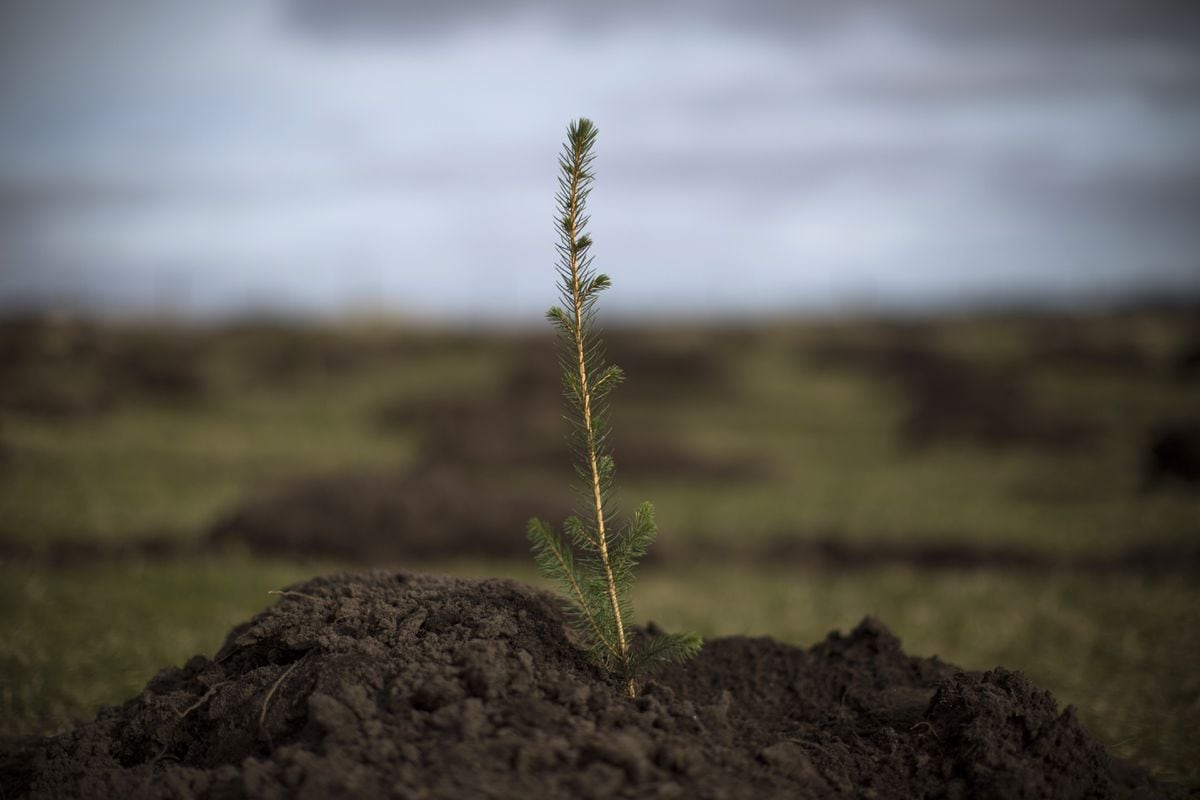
pixel 400 685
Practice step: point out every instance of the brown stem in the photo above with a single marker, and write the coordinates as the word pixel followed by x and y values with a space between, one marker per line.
pixel 585 393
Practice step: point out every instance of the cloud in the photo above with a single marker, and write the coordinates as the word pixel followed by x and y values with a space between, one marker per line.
pixel 1155 22
pixel 319 155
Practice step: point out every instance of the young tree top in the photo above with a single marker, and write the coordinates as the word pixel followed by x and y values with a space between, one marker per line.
pixel 595 564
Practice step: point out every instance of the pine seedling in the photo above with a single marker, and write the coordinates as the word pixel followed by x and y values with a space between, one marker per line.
pixel 593 564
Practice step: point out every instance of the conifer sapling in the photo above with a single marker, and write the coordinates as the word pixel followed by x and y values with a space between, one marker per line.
pixel 593 562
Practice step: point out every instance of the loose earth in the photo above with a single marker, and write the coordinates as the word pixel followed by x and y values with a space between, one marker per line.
pixel 401 685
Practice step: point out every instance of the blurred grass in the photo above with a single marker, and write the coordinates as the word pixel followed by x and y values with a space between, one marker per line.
pixel 172 466
pixel 832 433
pixel 77 638
pixel 155 471
pixel 826 433
pixel 109 433
pixel 1122 649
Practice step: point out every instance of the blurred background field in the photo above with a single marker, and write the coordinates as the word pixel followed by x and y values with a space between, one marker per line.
pixel 1006 489
pixel 270 294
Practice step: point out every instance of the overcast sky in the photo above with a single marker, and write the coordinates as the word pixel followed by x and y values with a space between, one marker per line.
pixel 754 157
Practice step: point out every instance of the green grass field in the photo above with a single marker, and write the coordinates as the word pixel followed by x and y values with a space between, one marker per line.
pixel 109 434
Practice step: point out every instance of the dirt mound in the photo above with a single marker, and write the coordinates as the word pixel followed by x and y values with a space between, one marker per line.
pixel 1173 455
pixel 529 434
pixel 77 370
pixel 434 510
pixel 390 516
pixel 1084 344
pixel 1187 363
pixel 399 685
pixel 520 424
pixel 950 399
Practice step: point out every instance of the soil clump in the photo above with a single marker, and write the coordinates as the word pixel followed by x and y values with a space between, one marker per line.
pixel 401 685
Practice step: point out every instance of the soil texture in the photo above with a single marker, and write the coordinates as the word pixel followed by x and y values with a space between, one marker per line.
pixel 409 686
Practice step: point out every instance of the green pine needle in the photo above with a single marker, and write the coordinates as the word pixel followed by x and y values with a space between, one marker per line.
pixel 593 565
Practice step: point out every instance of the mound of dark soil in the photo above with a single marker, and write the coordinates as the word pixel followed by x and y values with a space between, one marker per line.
pixel 1088 344
pixel 1173 455
pixel 950 399
pixel 1187 363
pixel 74 370
pixel 278 353
pixel 435 510
pixel 520 423
pixel 390 517
pixel 398 685
pixel 528 434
